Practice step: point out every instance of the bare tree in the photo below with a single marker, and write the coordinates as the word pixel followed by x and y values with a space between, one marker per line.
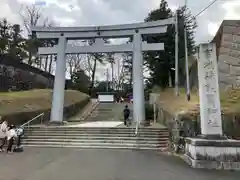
pixel 74 62
pixel 110 58
pixel 127 68
pixel 32 16
pixel 123 74
pixel 90 67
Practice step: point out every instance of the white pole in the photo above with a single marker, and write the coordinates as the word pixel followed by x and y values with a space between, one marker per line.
pixel 118 69
pixel 186 65
pixel 107 80
pixel 112 62
pixel 154 110
pixel 59 83
pixel 170 79
pixel 186 60
pixel 176 55
pixel 138 85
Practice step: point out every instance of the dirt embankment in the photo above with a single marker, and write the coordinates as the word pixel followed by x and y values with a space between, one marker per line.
pixel 19 107
pixel 230 102
pixel 172 106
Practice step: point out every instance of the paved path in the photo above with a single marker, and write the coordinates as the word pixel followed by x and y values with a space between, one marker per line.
pixel 75 164
pixel 106 112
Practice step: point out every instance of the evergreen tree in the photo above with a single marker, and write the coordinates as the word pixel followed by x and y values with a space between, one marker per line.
pixel 17 43
pixel 80 81
pixel 160 63
pixel 4 36
pixel 128 69
pixel 11 40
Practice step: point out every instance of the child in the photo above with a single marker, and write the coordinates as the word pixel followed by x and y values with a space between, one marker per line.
pixel 20 132
pixel 11 135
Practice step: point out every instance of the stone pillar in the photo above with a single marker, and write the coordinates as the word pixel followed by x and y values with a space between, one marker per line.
pixel 211 150
pixel 59 83
pixel 138 83
pixel 210 109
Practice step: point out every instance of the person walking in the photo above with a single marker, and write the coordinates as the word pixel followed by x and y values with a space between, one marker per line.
pixel 126 113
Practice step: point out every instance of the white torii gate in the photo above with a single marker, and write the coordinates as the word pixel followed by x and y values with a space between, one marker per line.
pixel 136 30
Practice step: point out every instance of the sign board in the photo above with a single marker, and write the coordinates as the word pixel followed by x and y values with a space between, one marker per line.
pixel 210 109
pixel 106 98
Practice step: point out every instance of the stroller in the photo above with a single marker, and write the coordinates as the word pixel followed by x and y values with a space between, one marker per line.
pixel 19 132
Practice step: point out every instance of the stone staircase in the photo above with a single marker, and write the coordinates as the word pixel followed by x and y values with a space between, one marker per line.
pixel 90 137
pixel 118 137
pixel 106 112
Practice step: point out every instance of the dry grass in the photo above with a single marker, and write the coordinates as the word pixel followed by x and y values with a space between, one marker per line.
pixel 230 102
pixel 34 100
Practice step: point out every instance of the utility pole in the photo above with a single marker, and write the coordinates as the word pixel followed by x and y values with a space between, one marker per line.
pixel 112 75
pixel 176 54
pixel 186 59
pixel 111 60
pixel 107 81
pixel 118 73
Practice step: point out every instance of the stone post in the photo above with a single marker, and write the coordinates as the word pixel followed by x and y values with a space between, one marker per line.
pixel 211 150
pixel 59 83
pixel 210 109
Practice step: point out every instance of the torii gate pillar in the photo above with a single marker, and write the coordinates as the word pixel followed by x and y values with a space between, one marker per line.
pixel 59 83
pixel 138 84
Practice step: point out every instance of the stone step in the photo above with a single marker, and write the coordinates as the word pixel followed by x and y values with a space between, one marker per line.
pixel 94 134
pixel 95 131
pixel 90 119
pixel 133 147
pixel 96 137
pixel 102 118
pixel 122 129
pixel 60 136
pixel 100 141
pixel 103 114
pixel 102 145
pixel 104 110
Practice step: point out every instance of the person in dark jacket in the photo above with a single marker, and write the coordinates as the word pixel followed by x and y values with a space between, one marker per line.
pixel 126 113
pixel 20 133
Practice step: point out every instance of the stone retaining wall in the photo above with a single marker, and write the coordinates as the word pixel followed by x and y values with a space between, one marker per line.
pixel 191 127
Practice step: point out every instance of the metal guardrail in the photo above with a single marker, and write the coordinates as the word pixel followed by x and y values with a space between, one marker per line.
pixel 33 119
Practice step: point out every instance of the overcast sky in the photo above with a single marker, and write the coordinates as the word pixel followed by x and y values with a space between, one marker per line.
pixel 104 12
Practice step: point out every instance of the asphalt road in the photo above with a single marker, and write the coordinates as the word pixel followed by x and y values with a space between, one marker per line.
pixel 77 164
